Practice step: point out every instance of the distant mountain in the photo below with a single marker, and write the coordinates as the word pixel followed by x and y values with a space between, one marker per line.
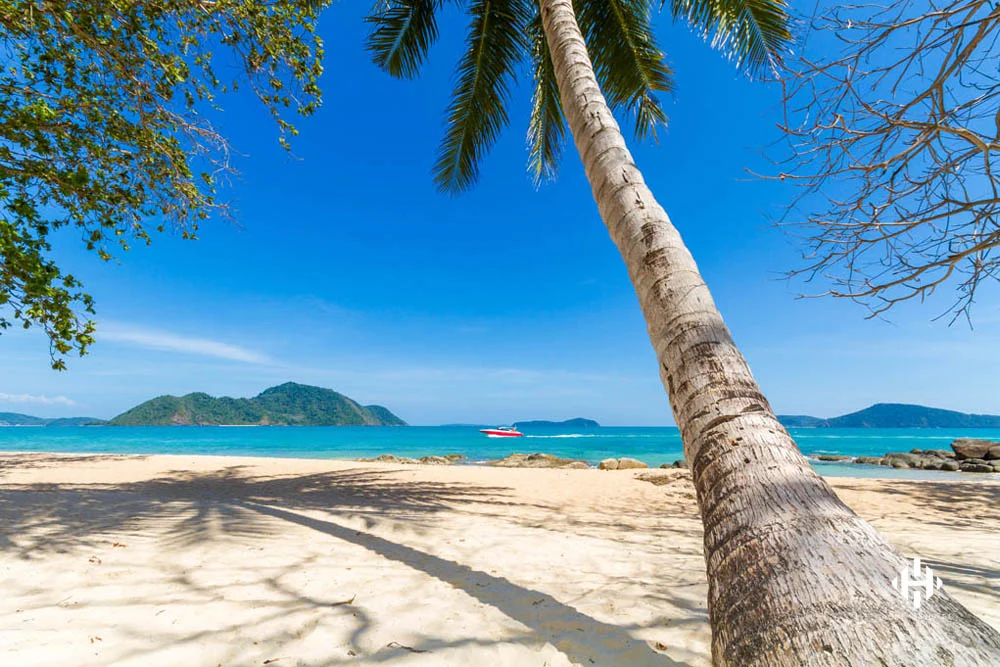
pixel 895 415
pixel 802 421
pixel 287 404
pixel 579 422
pixel 17 419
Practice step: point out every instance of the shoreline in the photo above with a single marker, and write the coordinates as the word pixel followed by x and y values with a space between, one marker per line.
pixel 829 469
pixel 158 560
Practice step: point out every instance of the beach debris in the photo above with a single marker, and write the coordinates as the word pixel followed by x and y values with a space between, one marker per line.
pixel 343 602
pixel 268 662
pixel 118 544
pixel 407 648
pixel 95 638
pixel 95 560
pixel 536 460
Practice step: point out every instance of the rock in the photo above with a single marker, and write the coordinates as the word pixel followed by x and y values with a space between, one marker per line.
pixel 623 463
pixel 436 460
pixel 455 457
pixel 940 453
pixel 950 465
pixel 931 463
pixel 382 458
pixel 904 459
pixel 537 460
pixel 975 467
pixel 994 453
pixel 976 462
pixel 869 460
pixel 576 465
pixel 834 457
pixel 679 463
pixel 970 448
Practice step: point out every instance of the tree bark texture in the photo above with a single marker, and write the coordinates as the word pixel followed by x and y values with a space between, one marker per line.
pixel 795 577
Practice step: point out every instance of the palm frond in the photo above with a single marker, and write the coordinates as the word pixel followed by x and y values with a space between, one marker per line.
pixel 754 33
pixel 547 127
pixel 629 65
pixel 477 112
pixel 401 33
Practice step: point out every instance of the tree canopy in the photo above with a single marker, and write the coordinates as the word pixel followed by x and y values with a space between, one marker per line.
pixel 104 128
pixel 502 34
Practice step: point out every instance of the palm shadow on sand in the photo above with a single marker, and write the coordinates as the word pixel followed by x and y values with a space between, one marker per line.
pixel 199 506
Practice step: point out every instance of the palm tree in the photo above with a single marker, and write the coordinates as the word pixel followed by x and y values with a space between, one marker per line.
pixel 795 577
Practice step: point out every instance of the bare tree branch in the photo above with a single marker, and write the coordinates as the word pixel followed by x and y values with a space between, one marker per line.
pixel 893 142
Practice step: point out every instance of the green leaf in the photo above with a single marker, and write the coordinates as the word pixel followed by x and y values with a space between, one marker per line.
pixel 629 64
pixel 754 33
pixel 477 112
pixel 401 34
pixel 547 126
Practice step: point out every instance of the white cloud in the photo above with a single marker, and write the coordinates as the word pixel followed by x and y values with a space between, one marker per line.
pixel 38 400
pixel 168 342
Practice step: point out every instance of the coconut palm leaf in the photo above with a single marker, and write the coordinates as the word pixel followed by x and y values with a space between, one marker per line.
pixel 401 33
pixel 546 127
pixel 478 109
pixel 754 33
pixel 630 67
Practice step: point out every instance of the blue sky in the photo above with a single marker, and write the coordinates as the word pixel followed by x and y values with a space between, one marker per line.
pixel 348 270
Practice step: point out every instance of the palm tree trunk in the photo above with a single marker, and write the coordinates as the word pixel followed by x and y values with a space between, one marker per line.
pixel 795 577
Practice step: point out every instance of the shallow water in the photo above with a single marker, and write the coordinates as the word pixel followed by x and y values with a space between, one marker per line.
pixel 651 445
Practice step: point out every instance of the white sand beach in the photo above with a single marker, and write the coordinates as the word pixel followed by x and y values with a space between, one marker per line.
pixel 190 560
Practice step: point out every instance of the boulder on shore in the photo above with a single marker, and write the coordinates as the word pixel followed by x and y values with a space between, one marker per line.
pixel 870 460
pixel 975 467
pixel 435 460
pixel 679 463
pixel 623 463
pixel 537 460
pixel 834 457
pixel 971 448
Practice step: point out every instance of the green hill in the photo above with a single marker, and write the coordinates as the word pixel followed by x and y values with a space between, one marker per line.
pixel 17 419
pixel 287 404
pixel 896 415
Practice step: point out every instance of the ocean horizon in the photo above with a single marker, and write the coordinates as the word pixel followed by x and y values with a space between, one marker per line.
pixel 652 445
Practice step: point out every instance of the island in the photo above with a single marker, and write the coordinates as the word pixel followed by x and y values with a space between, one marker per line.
pixel 895 415
pixel 17 419
pixel 578 422
pixel 289 404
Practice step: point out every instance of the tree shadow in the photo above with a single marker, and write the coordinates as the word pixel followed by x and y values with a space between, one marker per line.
pixel 184 508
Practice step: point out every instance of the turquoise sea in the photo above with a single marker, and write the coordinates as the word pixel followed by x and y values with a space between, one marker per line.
pixel 652 445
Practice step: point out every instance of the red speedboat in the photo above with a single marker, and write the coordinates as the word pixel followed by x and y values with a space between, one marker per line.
pixel 501 432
